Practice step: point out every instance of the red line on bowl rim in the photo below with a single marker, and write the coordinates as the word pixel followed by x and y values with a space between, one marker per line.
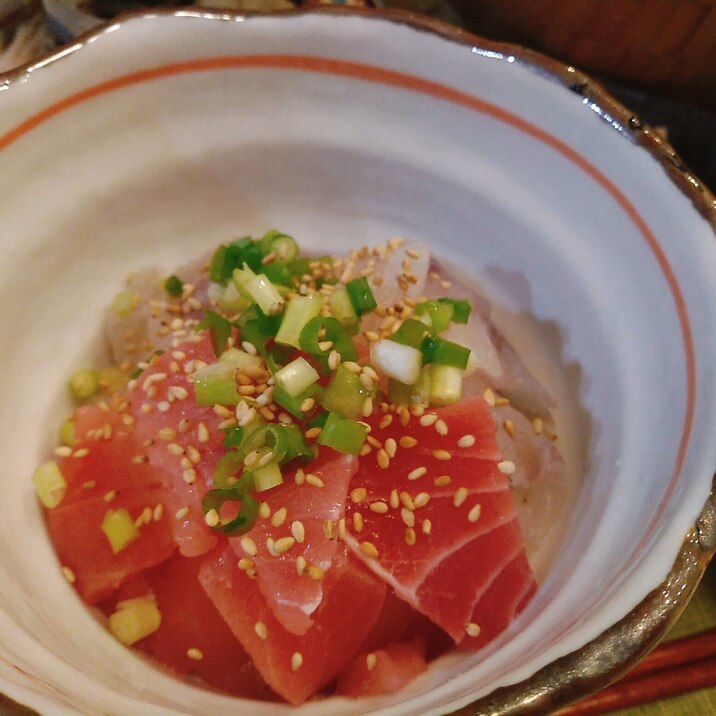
pixel 418 85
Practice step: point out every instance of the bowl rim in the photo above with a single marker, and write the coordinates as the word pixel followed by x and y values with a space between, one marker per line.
pixel 610 655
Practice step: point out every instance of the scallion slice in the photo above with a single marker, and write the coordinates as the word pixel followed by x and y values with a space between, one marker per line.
pixel 297 376
pixel 260 290
pixel 299 311
pixel 445 384
pixel 220 330
pixel 119 528
pixel 361 295
pixel 174 286
pixel 396 360
pixel 345 394
pixel 50 484
pixel 435 315
pixel 437 350
pixel 283 246
pixel 247 513
pixel 294 403
pixel 267 477
pixel 342 307
pixel 344 435
pixel 216 385
pixel 324 334
pixel 461 309
pixel 410 333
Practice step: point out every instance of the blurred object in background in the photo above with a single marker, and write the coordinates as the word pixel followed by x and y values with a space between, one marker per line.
pixel 23 32
pixel 668 46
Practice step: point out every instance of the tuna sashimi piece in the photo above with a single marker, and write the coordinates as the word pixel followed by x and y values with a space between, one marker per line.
pixel 291 580
pixel 193 638
pixel 296 667
pixel 437 520
pixel 181 439
pixel 83 547
pixel 384 671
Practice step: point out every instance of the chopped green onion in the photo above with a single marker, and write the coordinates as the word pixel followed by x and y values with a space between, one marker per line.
pixel 219 329
pixel 437 350
pixel 244 520
pixel 361 295
pixel 295 377
pixel 344 435
pixel 345 394
pixel 285 441
pixel 135 619
pixel 299 311
pixel 112 379
pixel 460 309
pixel 67 432
pixel 119 528
pixel 280 273
pixel 84 384
pixel 435 315
pixel 324 334
pixel 125 303
pixel 410 333
pixel 445 384
pixel 230 299
pixel 396 360
pixel 258 329
pixel 342 308
pixel 174 286
pixel 267 477
pixel 50 484
pixel 234 256
pixel 227 468
pixel 259 289
pixel 216 385
pixel 411 395
pixel 284 246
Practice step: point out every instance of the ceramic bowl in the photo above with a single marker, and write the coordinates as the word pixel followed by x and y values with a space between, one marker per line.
pixel 161 135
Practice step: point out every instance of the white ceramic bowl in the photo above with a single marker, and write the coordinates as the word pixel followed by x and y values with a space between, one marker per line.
pixel 162 135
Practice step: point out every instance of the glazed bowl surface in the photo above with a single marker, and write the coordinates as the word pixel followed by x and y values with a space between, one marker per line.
pixel 161 135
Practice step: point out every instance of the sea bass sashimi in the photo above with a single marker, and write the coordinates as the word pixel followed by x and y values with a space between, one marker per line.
pixel 301 452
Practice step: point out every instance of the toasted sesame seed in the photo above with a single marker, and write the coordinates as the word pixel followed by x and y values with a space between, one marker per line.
pixel 394 499
pixel 509 427
pixel 267 413
pixel 249 546
pixel 379 507
pixel 460 496
pixel 472 629
pixel 298 531
pixel 63 451
pixel 89 484
pixel 385 421
pixel 466 441
pixel 382 459
pixel 342 528
pixel 283 544
pixel 421 499
pixel 417 473
pixel 312 433
pixel 314 480
pixel 315 573
pixel 163 406
pixel 279 517
pixel 202 433
pixel 407 441
pixel 410 536
pixel 300 476
pixel 369 549
pixel 428 419
pixel 69 575
pixel 506 467
pixel 82 452
pixel 442 481
pixel 175 449
pixel 390 447
pixel 537 426
pixel 166 433
pixel 264 510
pixel 307 405
pixel 427 527
pixel 328 528
pixel 408 517
pixel 296 660
pixel 261 630
pixel 181 513
pixel 109 496
pixel 367 407
pixel 357 522
pixel 441 455
pixel 334 358
pixel 194 654
pixel 358 494
pixel 193 454
pixel 189 475
pixel 212 518
pixel 353 367
pixel 223 412
pixel 407 500
pixel 139 459
pixel 441 427
pixel 474 514
pixel 301 565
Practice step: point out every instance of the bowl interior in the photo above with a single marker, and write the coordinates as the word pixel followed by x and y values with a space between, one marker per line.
pixel 345 131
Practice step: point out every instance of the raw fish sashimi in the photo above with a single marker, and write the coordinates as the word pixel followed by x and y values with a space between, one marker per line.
pixel 441 526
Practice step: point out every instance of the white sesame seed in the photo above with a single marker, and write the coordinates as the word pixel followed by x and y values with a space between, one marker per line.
pixel 370 661
pixel 249 546
pixel 357 522
pixel 466 441
pixel 63 451
pixel 379 507
pixel 427 527
pixel 296 661
pixel 264 510
pixel 428 419
pixel 421 499
pixel 460 496
pixel 279 517
pixel 382 459
pixel 474 514
pixel 441 427
pixel 417 473
pixel 163 406
pixel 358 494
pixel 69 575
pixel 261 630
pixel 211 518
pixel 314 480
pixel 202 432
pixel 189 475
pixel 472 629
pixel 407 500
pixel 369 549
pixel 394 500
pixel 506 467
pixel 408 517
pixel 442 455
pixel 301 565
pixel 194 654
pixel 283 544
pixel 298 531
pixel 181 513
